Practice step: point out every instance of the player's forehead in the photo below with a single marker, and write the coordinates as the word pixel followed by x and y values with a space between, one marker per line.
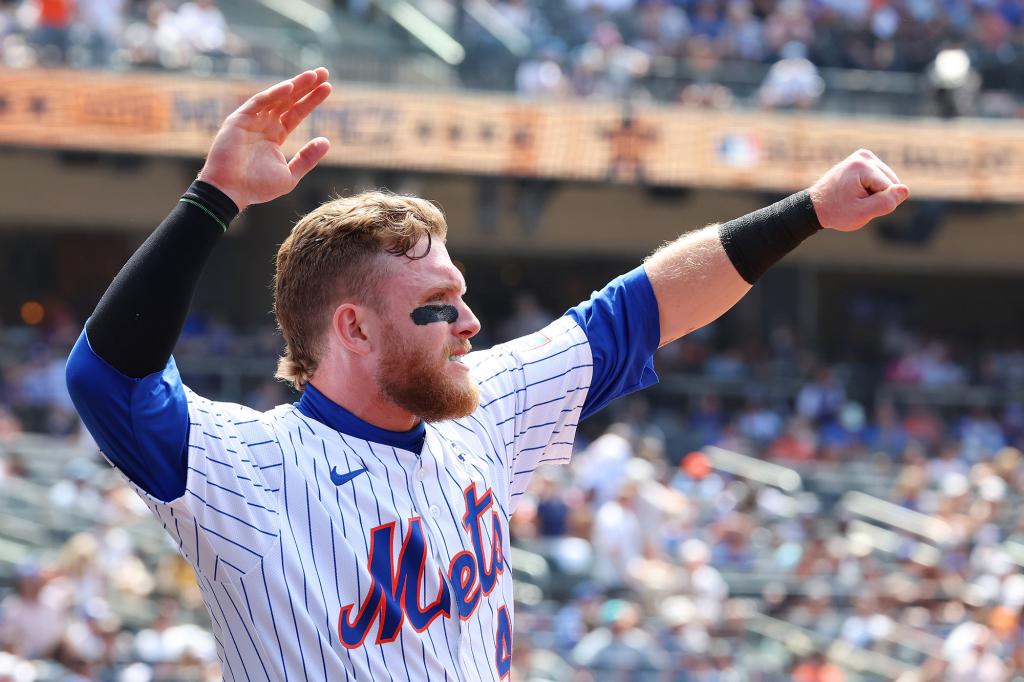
pixel 434 272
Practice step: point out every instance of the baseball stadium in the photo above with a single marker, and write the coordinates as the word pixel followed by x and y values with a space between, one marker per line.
pixel 766 250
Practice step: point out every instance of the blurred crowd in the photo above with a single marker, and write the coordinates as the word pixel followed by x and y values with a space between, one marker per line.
pixel 98 593
pixel 145 34
pixel 907 391
pixel 645 558
pixel 962 57
pixel 672 561
pixel 621 48
pixel 689 568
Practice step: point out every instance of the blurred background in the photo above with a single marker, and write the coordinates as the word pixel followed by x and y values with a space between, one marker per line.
pixel 825 485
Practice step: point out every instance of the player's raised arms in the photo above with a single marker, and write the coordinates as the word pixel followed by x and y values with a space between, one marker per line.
pixel 362 532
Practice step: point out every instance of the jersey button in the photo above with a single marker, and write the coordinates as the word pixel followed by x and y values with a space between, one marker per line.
pixel 435 511
pixel 421 474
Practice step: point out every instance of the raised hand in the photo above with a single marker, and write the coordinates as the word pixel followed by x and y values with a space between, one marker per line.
pixel 245 160
pixel 858 189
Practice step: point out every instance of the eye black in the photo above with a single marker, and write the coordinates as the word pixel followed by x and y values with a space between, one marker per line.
pixel 436 312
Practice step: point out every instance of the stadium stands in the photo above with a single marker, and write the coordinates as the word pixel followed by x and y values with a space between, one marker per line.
pixel 871 58
pixel 879 540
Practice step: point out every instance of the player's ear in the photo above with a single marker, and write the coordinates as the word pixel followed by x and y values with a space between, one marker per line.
pixel 350 325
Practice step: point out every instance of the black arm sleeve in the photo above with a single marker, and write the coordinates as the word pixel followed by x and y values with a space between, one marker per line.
pixel 138 320
pixel 759 240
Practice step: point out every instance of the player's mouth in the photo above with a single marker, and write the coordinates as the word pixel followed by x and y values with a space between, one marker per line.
pixel 456 356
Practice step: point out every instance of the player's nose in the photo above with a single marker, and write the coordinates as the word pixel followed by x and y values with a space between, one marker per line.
pixel 467 326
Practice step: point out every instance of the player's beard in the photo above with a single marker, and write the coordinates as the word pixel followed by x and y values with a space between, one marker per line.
pixel 420 382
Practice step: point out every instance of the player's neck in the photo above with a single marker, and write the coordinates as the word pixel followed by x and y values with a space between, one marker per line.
pixel 366 404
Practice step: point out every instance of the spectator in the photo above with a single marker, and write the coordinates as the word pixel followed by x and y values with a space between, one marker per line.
pixel 822 399
pixel 706 20
pixel 661 27
pixel 101 24
pixel 732 550
pixel 971 655
pixel 619 644
pixel 13 50
pixel 702 582
pixel 793 81
pixel 602 465
pixel 605 66
pixel 788 30
pixel 203 25
pixel 53 30
pixel 867 625
pixel 981 436
pixel 817 612
pixel 798 443
pixel 31 625
pixel 552 511
pixel 760 424
pixel 617 539
pixel 816 668
pixel 543 77
pixel 156 41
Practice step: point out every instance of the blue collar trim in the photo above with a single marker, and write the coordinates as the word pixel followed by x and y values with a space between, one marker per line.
pixel 316 405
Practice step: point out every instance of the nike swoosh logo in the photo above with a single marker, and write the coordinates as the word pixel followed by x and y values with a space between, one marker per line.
pixel 341 479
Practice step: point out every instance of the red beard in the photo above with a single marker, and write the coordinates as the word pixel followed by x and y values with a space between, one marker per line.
pixel 420 382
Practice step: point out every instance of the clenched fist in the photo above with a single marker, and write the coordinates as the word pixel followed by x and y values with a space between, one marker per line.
pixel 855 191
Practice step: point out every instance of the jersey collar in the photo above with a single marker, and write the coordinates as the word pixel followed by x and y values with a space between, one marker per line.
pixel 316 405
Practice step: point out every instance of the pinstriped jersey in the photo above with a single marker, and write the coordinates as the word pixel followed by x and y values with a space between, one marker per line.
pixel 324 556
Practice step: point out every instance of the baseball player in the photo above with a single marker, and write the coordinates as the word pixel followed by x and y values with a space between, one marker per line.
pixel 362 533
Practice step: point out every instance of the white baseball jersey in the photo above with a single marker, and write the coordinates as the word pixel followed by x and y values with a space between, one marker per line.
pixel 323 556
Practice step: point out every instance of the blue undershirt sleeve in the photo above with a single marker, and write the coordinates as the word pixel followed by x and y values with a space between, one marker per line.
pixel 624 329
pixel 141 425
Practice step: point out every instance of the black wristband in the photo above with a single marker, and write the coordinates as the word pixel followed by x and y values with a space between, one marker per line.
pixel 759 240
pixel 218 205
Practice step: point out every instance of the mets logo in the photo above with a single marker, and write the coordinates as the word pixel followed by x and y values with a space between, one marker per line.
pixel 394 591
